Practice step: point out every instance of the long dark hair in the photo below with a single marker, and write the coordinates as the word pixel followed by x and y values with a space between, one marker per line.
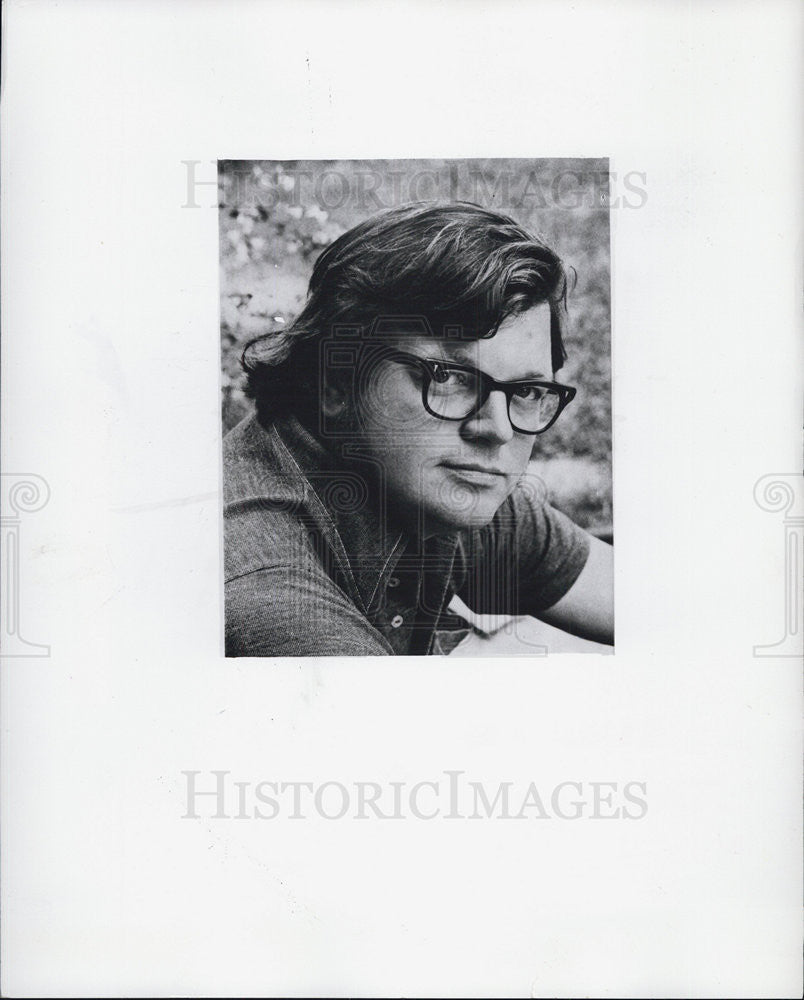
pixel 456 265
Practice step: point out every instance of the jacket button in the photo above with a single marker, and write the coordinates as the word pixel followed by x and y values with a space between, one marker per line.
pixel 393 581
pixel 396 621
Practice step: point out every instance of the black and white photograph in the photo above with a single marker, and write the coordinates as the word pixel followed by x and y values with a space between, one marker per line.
pixel 401 499
pixel 412 392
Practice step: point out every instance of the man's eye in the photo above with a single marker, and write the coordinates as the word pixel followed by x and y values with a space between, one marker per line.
pixel 449 376
pixel 532 393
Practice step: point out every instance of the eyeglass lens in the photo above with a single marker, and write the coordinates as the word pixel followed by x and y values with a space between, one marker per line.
pixel 455 394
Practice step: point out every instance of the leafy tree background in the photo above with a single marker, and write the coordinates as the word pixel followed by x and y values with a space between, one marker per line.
pixel 277 216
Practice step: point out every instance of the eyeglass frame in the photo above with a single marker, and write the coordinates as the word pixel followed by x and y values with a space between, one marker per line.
pixel 487 384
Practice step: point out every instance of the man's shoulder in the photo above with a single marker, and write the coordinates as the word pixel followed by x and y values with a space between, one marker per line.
pixel 527 527
pixel 285 592
pixel 254 466
pixel 266 522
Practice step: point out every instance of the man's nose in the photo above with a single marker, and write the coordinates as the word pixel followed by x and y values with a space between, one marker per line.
pixel 491 421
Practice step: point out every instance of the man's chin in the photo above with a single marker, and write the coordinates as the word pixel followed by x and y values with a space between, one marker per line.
pixel 459 510
pixel 446 522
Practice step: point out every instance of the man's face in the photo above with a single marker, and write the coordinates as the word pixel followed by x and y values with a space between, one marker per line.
pixel 446 475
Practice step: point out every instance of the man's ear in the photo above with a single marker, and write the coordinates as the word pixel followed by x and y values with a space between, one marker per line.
pixel 333 401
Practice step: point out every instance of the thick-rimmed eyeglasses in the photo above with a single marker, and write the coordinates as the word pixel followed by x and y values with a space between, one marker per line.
pixel 453 391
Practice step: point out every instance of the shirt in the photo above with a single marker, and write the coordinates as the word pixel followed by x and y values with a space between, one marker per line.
pixel 313 569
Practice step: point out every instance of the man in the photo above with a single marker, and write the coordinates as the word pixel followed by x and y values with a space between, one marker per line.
pixel 385 468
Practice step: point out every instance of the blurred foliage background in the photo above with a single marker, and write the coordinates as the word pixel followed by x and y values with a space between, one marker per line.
pixel 277 216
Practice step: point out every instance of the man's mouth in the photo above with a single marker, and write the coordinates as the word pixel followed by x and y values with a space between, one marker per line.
pixel 473 472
